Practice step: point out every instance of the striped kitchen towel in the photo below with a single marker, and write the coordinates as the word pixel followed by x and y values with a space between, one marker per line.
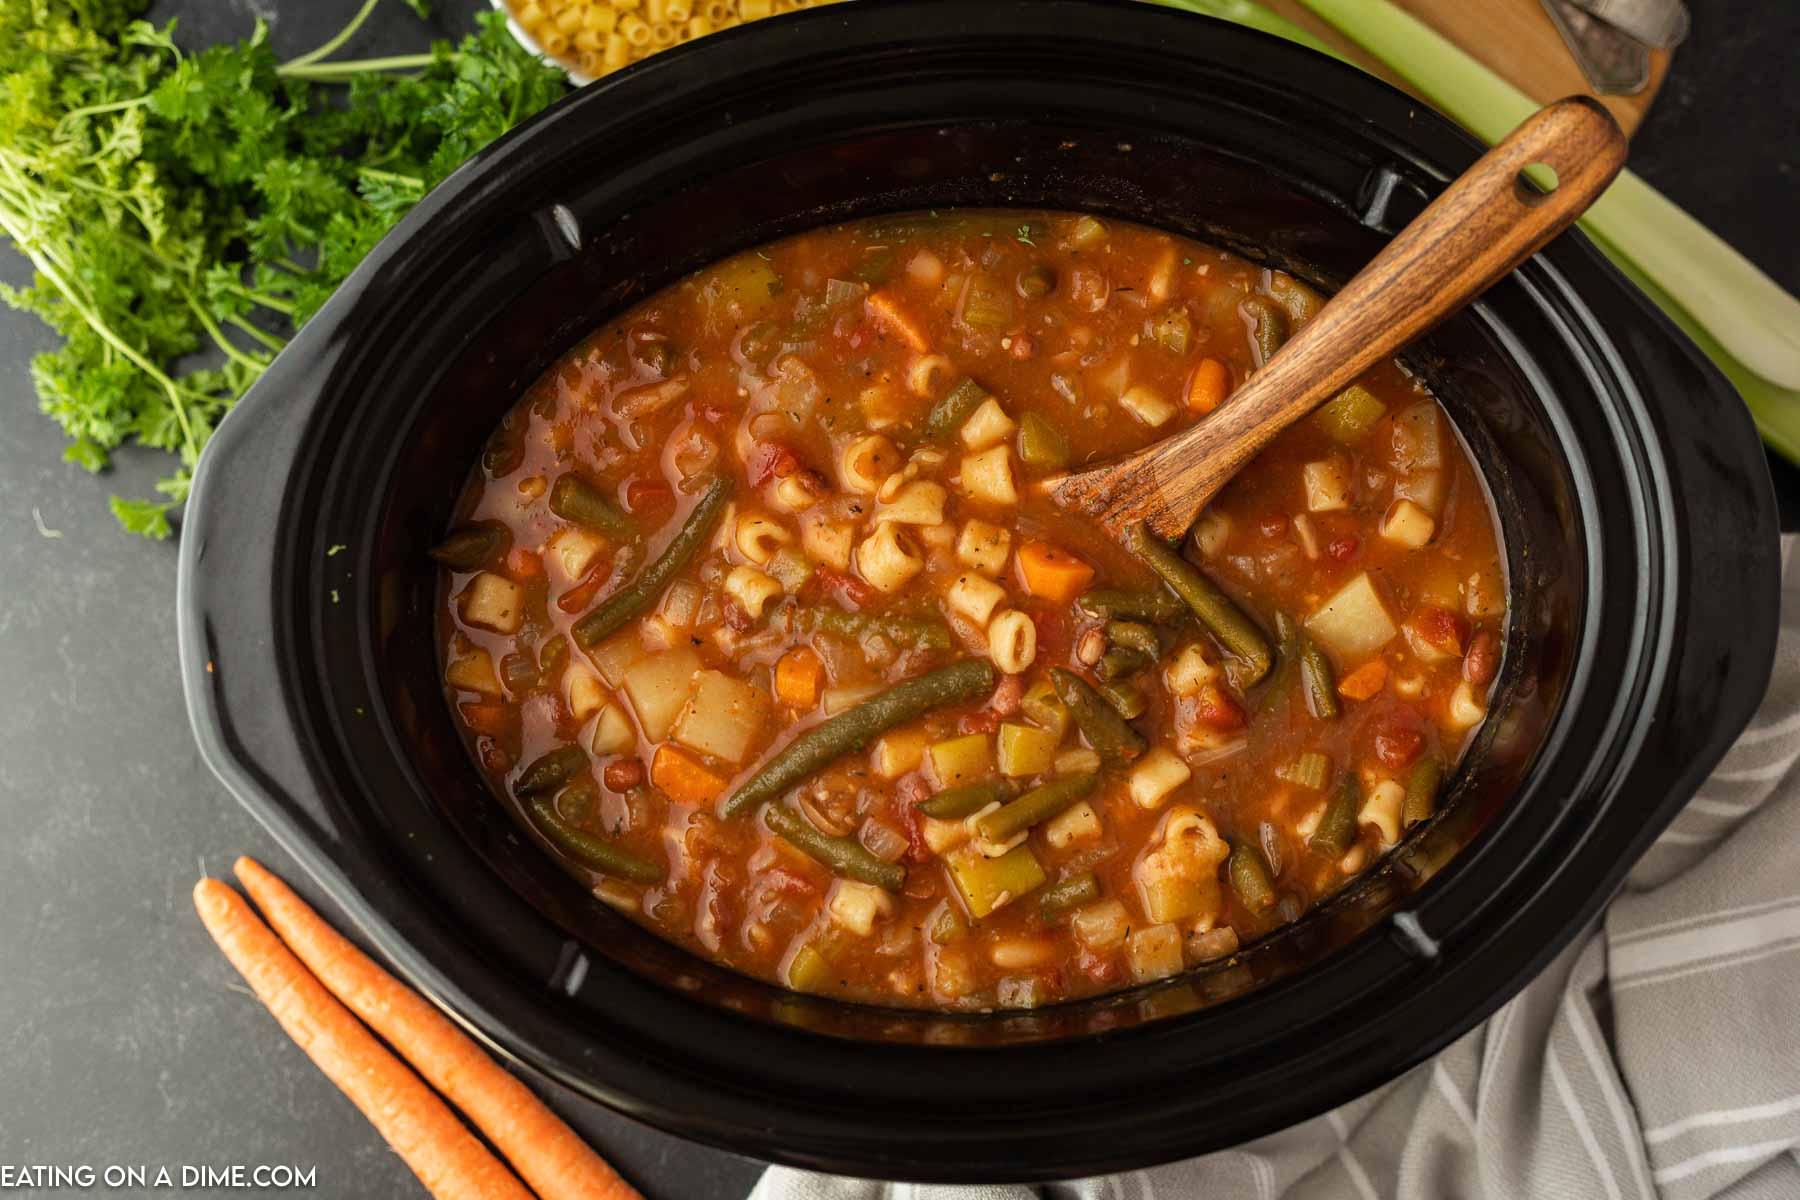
pixel 1659 1056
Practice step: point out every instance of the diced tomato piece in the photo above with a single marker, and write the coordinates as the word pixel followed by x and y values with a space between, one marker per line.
pixel 492 719
pixel 770 460
pixel 1343 549
pixel 984 721
pixel 1436 633
pixel 849 591
pixel 494 757
pixel 523 564
pixel 1005 700
pixel 787 883
pixel 1213 707
pixel 1273 524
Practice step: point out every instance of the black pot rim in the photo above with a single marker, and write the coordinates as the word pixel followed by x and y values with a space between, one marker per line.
pixel 633 1071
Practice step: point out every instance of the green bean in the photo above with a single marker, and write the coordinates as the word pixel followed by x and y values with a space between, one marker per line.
pixel 1271 326
pixel 550 771
pixel 1337 828
pixel 642 593
pixel 1069 893
pixel 947 415
pixel 575 499
pixel 917 632
pixel 1158 607
pixel 1121 661
pixel 845 856
pixel 472 547
pixel 1034 807
pixel 1127 699
pixel 1229 623
pixel 1249 875
pixel 1105 730
pixel 1133 636
pixel 1421 791
pixel 1041 447
pixel 854 730
pixel 1316 676
pixel 592 852
pixel 958 802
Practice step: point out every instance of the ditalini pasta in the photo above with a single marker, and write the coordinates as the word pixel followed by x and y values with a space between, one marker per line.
pixel 595 37
pixel 756 618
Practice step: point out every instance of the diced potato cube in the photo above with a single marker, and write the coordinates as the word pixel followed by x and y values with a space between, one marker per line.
pixel 898 752
pixel 473 672
pixel 1101 926
pixel 1026 750
pixel 613 733
pixel 658 687
pixel 1483 596
pixel 1354 623
pixel 959 760
pixel 1156 776
pixel 1044 708
pixel 573 552
pixel 987 884
pixel 1154 953
pixel 494 602
pixel 1078 824
pixel 855 906
pixel 1417 439
pixel 983 547
pixel 987 426
pixel 723 716
pixel 1406 524
pixel 941 837
pixel 1424 488
pixel 1176 897
pixel 1328 485
pixel 1190 671
pixel 988 476
pixel 1147 405
pixel 584 692
pixel 1382 810
pixel 974 597
pixel 613 657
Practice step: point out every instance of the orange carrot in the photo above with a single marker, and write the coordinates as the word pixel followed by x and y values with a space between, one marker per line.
pixel 491 719
pixel 797 678
pixel 1054 574
pixel 523 565
pixel 446 1157
pixel 1210 384
pixel 683 777
pixel 1363 682
pixel 552 1157
pixel 889 313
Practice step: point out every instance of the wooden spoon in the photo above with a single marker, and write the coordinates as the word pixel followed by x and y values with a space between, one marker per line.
pixel 1484 224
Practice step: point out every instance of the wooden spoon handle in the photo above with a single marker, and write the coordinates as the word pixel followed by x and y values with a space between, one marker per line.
pixel 1482 226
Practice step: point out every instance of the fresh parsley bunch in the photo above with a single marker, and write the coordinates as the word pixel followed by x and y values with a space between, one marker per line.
pixel 185 212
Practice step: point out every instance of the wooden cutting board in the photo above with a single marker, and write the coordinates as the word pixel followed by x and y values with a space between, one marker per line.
pixel 1513 37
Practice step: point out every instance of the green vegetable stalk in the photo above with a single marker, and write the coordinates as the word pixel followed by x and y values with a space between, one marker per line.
pixel 175 204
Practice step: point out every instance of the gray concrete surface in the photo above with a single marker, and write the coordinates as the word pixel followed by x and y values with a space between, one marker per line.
pixel 124 1037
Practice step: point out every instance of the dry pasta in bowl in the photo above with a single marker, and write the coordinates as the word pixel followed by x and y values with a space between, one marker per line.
pixel 592 38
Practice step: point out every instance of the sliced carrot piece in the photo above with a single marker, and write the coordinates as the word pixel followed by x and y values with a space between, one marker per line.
pixel 797 677
pixel 523 564
pixel 887 310
pixel 491 719
pixel 1210 384
pixel 683 778
pixel 1364 682
pixel 1056 575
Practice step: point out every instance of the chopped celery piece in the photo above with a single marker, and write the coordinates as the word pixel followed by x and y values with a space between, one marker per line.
pixel 1041 447
pixel 839 292
pixel 1310 770
pixel 986 884
pixel 1026 750
pixel 961 760
pixel 1350 415
pixel 739 289
pixel 1174 330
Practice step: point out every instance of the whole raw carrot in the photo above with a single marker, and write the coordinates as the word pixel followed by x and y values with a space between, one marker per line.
pixel 552 1157
pixel 446 1157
